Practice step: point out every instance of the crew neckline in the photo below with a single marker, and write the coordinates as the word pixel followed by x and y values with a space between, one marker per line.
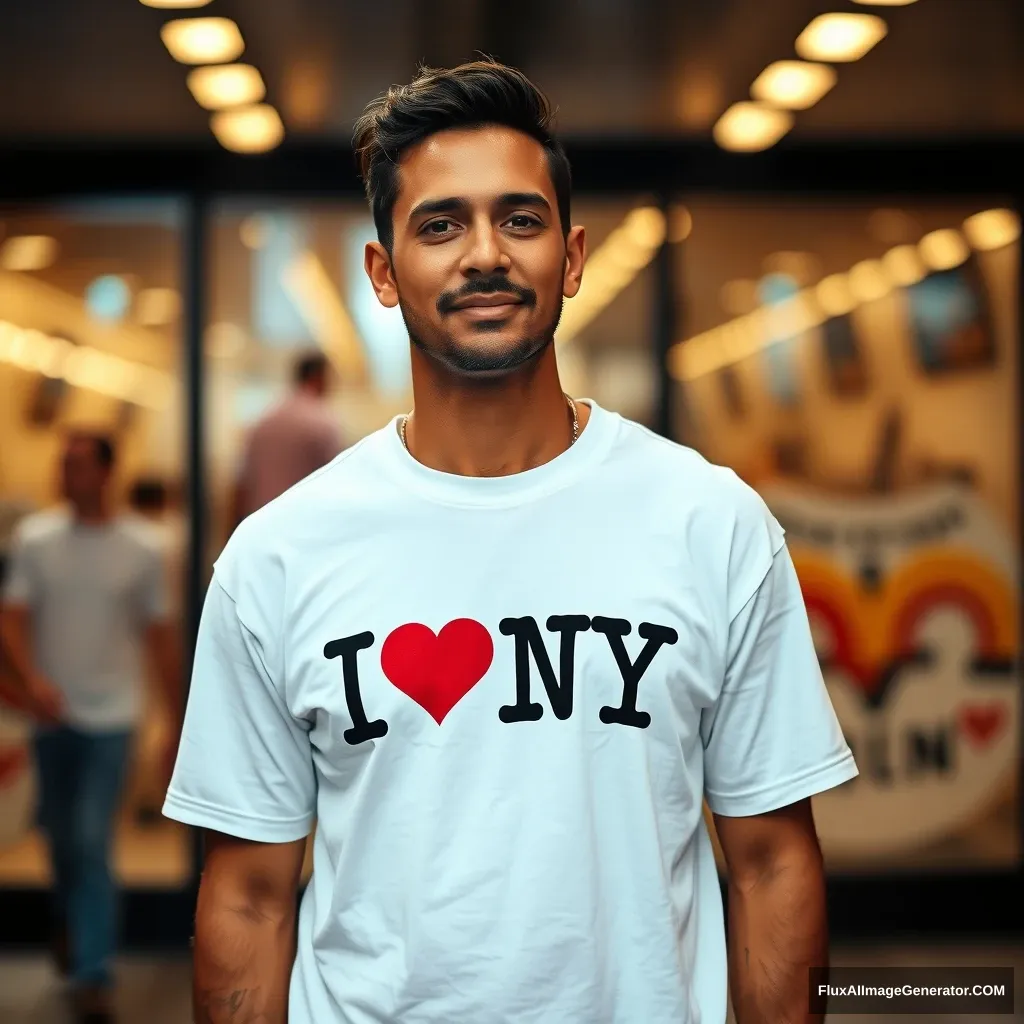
pixel 513 489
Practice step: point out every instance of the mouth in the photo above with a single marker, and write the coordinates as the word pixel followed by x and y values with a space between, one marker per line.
pixel 488 303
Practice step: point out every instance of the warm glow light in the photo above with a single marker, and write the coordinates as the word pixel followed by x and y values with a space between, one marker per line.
pixel 325 314
pixel 839 38
pixel 803 267
pixel 903 265
pixel 680 224
pixel 202 40
pixel 28 252
pixel 794 84
pixel 157 307
pixel 175 4
pixel 248 129
pixel 749 127
pixel 225 340
pixel 615 263
pixel 226 85
pixel 869 281
pixel 82 366
pixel 253 232
pixel 992 229
pixel 834 295
pixel 943 250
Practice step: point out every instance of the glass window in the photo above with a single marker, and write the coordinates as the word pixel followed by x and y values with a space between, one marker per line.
pixel 857 364
pixel 90 337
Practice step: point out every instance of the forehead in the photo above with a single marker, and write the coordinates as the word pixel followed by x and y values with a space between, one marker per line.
pixel 80 447
pixel 477 164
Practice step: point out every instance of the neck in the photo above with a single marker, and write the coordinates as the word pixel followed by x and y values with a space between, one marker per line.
pixel 92 513
pixel 489 428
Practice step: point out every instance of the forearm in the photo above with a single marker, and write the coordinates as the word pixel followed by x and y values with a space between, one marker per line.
pixel 243 966
pixel 777 932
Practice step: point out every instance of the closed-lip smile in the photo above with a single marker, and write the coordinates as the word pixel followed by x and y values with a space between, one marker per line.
pixel 498 299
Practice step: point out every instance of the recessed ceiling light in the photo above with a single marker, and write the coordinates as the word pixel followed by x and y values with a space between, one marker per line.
pixel 749 127
pixel 992 229
pixel 226 85
pixel 202 40
pixel 943 250
pixel 839 38
pixel 903 265
pixel 175 4
pixel 28 252
pixel 254 129
pixel 793 84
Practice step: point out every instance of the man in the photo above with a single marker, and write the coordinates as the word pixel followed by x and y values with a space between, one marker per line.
pixel 84 596
pixel 501 650
pixel 294 439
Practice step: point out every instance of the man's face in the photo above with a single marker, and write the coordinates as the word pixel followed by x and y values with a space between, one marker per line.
pixel 83 476
pixel 479 264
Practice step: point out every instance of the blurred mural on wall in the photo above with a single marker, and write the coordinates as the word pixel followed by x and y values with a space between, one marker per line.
pixel 890 457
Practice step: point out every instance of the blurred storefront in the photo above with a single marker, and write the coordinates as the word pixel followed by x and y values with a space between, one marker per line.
pixel 836 325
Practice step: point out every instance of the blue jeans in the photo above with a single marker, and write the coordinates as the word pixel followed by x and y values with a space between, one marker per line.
pixel 80 780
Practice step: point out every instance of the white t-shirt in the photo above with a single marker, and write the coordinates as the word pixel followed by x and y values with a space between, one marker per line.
pixel 92 591
pixel 503 700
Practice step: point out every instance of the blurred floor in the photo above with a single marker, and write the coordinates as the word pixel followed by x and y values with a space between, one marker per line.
pixel 156 991
pixel 153 855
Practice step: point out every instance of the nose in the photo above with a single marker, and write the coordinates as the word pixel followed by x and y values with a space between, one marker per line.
pixel 485 253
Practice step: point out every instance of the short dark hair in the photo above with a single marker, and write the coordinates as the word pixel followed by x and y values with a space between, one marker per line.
pixel 148 494
pixel 103 446
pixel 310 366
pixel 469 96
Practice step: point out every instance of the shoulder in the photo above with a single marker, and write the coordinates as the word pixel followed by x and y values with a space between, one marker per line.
pixel 319 506
pixel 683 476
pixel 40 528
pixel 723 522
pixel 140 535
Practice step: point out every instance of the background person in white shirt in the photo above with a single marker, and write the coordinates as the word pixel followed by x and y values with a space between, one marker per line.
pixel 85 600
pixel 501 650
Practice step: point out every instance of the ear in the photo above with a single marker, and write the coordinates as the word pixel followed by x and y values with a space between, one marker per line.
pixel 575 258
pixel 377 264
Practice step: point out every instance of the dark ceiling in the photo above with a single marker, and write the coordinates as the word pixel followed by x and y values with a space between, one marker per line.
pixel 98 70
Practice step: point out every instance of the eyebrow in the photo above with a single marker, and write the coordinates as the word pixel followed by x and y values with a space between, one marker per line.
pixel 455 204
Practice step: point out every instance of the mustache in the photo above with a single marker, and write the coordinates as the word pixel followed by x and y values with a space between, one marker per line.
pixel 495 284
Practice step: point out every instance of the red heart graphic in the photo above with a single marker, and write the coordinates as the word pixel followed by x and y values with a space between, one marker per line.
pixel 437 671
pixel 981 722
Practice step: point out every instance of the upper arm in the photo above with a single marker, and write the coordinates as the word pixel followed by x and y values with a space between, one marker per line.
pixel 755 846
pixel 257 880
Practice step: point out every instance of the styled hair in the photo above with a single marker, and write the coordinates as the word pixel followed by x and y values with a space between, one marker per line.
pixel 472 95
pixel 310 366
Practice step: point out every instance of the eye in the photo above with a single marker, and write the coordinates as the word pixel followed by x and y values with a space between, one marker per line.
pixel 522 221
pixel 438 227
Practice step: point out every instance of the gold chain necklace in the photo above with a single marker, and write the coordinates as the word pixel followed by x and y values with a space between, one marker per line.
pixel 569 400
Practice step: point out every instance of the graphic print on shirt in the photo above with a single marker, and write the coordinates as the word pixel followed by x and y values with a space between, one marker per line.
pixel 436 670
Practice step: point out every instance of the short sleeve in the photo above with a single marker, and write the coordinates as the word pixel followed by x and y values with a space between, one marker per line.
pixel 772 738
pixel 245 763
pixel 21 576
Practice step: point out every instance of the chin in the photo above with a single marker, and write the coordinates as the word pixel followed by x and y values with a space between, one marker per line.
pixel 489 354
